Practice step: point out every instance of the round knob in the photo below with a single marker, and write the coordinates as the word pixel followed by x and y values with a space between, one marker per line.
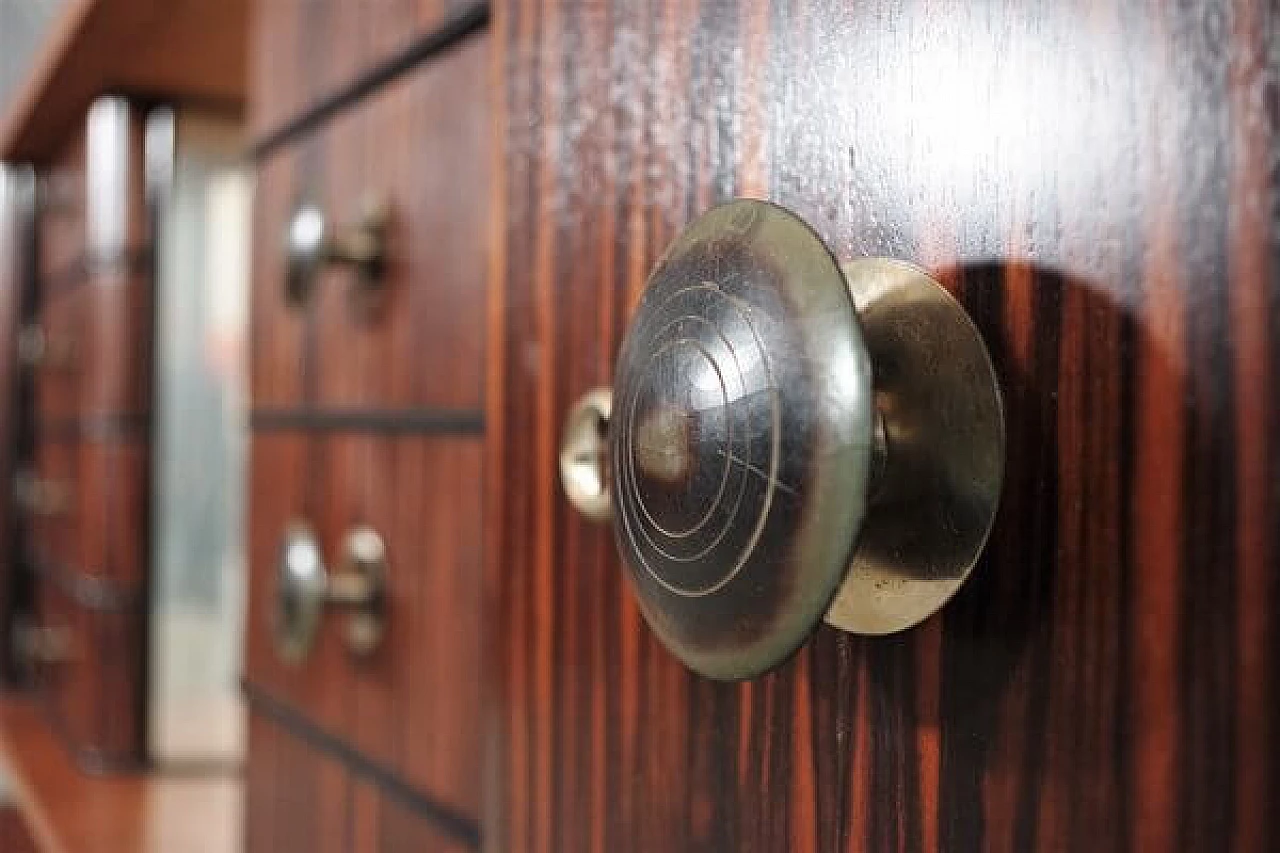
pixel 791 439
pixel 41 496
pixel 304 588
pixel 312 242
pixel 37 348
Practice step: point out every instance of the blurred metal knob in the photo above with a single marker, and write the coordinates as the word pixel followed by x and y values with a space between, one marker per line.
pixel 37 647
pixel 305 588
pixel 37 348
pixel 313 242
pixel 40 496
pixel 790 440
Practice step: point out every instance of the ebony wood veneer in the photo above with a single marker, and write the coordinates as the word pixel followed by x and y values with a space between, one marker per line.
pixel 1097 183
pixel 371 418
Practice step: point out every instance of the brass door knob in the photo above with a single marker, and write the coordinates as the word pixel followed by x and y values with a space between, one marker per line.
pixel 305 588
pixel 790 440
pixel 312 242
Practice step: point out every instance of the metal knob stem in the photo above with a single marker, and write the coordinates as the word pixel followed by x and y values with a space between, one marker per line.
pixel 305 588
pixel 313 242
pixel 789 439
pixel 37 348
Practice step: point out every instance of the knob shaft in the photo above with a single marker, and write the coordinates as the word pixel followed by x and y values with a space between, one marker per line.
pixel 791 439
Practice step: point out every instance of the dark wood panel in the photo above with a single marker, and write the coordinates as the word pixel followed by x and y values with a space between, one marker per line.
pixel 94 698
pixel 304 51
pixel 302 800
pixel 94 302
pixel 413 707
pixel 421 144
pixel 1097 182
pixel 103 529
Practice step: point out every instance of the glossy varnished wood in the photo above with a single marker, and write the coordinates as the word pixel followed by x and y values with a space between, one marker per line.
pixel 69 812
pixel 325 808
pixel 99 532
pixel 412 707
pixel 160 48
pixel 421 144
pixel 1096 182
pixel 371 418
pixel 303 51
pixel 92 699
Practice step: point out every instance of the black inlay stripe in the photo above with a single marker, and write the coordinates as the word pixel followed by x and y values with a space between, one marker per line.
pixel 92 592
pixel 461 827
pixel 387 422
pixel 102 427
pixel 472 19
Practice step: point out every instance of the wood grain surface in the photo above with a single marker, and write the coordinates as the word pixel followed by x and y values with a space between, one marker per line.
pixel 304 51
pixel 325 807
pixel 91 428
pixel 421 145
pixel 371 417
pixel 1097 182
pixel 413 706
pixel 70 812
pixel 93 699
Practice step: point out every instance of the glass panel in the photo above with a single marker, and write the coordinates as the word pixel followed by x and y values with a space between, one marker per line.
pixel 198 569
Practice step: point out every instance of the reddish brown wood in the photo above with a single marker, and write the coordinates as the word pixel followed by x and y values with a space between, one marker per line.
pixel 100 532
pixel 93 698
pixel 69 812
pixel 303 800
pixel 92 440
pixel 302 51
pixel 421 144
pixel 1096 182
pixel 413 706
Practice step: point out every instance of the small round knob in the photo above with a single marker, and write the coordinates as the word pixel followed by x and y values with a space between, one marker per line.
pixel 791 439
pixel 37 348
pixel 312 242
pixel 41 496
pixel 38 647
pixel 305 588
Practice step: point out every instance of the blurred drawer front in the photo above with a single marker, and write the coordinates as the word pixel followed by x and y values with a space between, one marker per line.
pixel 419 147
pixel 412 706
pixel 82 651
pixel 86 505
pixel 304 800
pixel 90 352
pixel 308 51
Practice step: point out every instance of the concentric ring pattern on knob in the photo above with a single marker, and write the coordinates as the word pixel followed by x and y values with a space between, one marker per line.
pixel 740 440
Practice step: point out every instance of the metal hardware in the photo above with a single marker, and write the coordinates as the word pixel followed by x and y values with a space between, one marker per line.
pixel 583 453
pixel 305 588
pixel 792 440
pixel 39 647
pixel 312 242
pixel 40 496
pixel 37 348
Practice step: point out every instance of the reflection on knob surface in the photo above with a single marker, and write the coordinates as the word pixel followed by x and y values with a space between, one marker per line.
pixel 790 439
